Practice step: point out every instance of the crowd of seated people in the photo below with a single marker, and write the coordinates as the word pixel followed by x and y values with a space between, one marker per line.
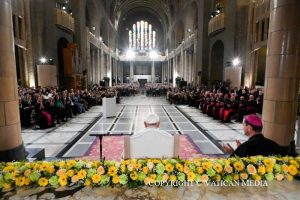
pixel 127 89
pixel 45 107
pixel 156 89
pixel 221 103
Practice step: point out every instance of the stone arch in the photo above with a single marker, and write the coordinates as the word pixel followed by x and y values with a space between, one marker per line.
pixel 217 60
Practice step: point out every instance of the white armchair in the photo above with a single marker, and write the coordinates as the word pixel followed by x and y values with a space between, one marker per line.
pixel 151 144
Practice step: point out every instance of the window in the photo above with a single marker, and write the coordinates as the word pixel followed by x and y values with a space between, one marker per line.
pixel 142 37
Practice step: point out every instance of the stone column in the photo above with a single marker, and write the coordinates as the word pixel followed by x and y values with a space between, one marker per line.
pixel 131 71
pixel 153 72
pixel 102 65
pixel 282 72
pixel 99 66
pixel 11 143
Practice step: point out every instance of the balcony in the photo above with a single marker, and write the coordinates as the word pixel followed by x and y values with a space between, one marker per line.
pixel 64 20
pixel 216 24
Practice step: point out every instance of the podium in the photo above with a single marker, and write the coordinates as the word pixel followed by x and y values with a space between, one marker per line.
pixel 109 107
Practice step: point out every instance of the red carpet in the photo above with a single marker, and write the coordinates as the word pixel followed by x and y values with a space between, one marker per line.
pixel 113 148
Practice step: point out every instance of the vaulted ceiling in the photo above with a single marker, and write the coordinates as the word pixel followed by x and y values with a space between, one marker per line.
pixel 128 12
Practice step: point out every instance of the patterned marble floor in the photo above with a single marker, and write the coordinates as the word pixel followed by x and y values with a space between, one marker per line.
pixel 129 120
pixel 207 134
pixel 55 139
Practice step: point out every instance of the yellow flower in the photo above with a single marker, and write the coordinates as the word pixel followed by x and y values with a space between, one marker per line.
pixel 130 167
pixel 191 176
pixel 217 177
pixel 261 169
pixel 74 179
pixel 256 177
pixel 71 163
pixel 165 177
pixel 169 167
pixel 251 169
pixel 43 182
pixel 20 181
pixel 293 162
pixel 292 170
pixel 123 168
pixel 197 162
pixel 156 161
pixel 44 166
pixel 228 169
pixel 81 174
pixel 238 165
pixel 285 168
pixel 172 178
pixel 145 170
pixel 279 177
pixel 134 175
pixel 179 167
pixel 6 186
pixel 147 181
pixel 27 181
pixel 268 162
pixel 243 176
pixel 112 171
pixel 61 172
pixel 153 176
pixel 204 178
pixel 199 170
pixel 269 169
pixel 87 182
pixel 253 159
pixel 218 167
pixel 100 170
pixel 50 169
pixel 9 168
pixel 235 177
pixel 207 165
pixel 61 164
pixel 27 172
pixel 186 169
pixel 70 173
pixel 62 180
pixel 96 178
pixel 115 179
pixel 289 177
pixel 137 166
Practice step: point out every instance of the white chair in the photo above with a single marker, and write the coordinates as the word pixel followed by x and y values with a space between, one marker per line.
pixel 153 144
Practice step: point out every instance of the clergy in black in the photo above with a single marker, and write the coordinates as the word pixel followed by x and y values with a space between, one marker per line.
pixel 257 143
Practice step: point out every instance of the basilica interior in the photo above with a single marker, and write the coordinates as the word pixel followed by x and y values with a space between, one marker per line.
pixel 155 57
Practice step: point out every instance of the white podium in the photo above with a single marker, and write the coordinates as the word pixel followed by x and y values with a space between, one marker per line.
pixel 109 107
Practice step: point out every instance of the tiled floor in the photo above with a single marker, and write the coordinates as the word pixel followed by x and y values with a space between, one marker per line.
pixel 130 118
pixel 206 133
pixel 53 140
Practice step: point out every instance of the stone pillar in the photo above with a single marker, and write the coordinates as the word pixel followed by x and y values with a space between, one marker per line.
pixel 282 72
pixel 153 72
pixel 11 143
pixel 131 71
pixel 102 65
pixel 99 66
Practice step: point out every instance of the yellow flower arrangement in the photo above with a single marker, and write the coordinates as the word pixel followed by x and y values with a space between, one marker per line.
pixel 169 167
pixel 112 171
pixel 115 179
pixel 96 178
pixel 81 174
pixel 142 172
pixel 63 180
pixel 238 165
pixel 43 182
